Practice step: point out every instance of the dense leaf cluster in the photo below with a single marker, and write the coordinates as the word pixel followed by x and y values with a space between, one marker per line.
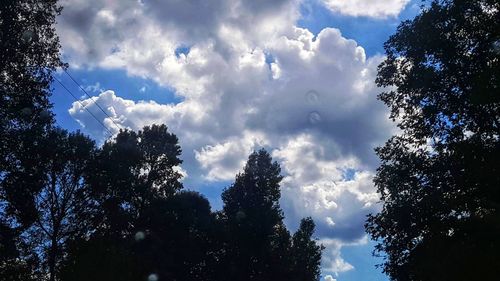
pixel 440 176
pixel 119 212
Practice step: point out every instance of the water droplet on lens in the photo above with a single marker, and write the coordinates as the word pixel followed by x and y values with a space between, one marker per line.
pixel 26 111
pixel 139 236
pixel 153 277
pixel 27 36
pixel 45 114
pixel 312 97
pixel 240 215
pixel 496 46
pixel 314 118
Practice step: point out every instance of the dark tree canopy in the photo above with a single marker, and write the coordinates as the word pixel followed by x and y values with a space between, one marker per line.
pixel 305 253
pixel 49 202
pixel 87 213
pixel 440 176
pixel 30 53
pixel 259 246
pixel 252 212
pixel 254 196
pixel 131 171
pixel 174 241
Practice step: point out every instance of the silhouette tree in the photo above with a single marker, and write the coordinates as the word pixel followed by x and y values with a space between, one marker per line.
pixel 130 172
pixel 30 53
pixel 101 258
pixel 439 177
pixel 258 244
pixel 175 239
pixel 11 267
pixel 181 241
pixel 54 206
pixel 305 253
pixel 141 220
pixel 252 212
pixel 154 231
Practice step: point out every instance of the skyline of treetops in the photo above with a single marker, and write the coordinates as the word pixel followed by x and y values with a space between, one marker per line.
pixel 297 140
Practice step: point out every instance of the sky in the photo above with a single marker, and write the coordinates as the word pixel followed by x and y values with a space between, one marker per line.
pixel 295 77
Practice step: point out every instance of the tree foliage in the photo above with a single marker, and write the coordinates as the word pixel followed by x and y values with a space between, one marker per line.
pixel 30 53
pixel 259 246
pixel 131 171
pixel 439 178
pixel 49 201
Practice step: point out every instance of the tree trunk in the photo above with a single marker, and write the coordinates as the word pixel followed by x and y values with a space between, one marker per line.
pixel 52 259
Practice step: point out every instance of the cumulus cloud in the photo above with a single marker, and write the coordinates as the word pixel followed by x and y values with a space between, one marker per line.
pixel 331 190
pixel 330 278
pixel 250 78
pixel 367 8
pixel 224 160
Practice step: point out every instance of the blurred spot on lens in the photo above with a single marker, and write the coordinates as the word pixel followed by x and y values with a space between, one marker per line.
pixel 240 215
pixel 312 97
pixel 314 118
pixel 153 277
pixel 26 111
pixel 27 36
pixel 139 236
pixel 496 46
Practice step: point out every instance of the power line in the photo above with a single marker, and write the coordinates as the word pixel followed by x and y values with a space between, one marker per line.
pixel 95 101
pixel 84 107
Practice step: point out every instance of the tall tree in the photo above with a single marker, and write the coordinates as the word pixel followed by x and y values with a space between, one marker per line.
pixel 57 205
pixel 252 212
pixel 440 176
pixel 181 238
pixel 175 239
pixel 30 53
pixel 259 247
pixel 305 253
pixel 131 171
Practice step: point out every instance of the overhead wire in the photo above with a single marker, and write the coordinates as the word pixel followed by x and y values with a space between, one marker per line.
pixel 83 105
pixel 95 101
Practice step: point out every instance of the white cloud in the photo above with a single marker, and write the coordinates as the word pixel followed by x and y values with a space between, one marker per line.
pixel 330 278
pixel 224 160
pixel 367 8
pixel 314 105
pixel 96 88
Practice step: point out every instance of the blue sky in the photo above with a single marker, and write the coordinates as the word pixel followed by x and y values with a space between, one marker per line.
pixel 295 77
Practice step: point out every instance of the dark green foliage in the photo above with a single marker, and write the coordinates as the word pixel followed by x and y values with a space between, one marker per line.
pixel 9 268
pixel 30 53
pixel 101 259
pixel 118 212
pixel 440 177
pixel 252 212
pixel 46 201
pixel 50 202
pixel 259 247
pixel 252 202
pixel 133 170
pixel 181 241
pixel 305 253
pixel 175 240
